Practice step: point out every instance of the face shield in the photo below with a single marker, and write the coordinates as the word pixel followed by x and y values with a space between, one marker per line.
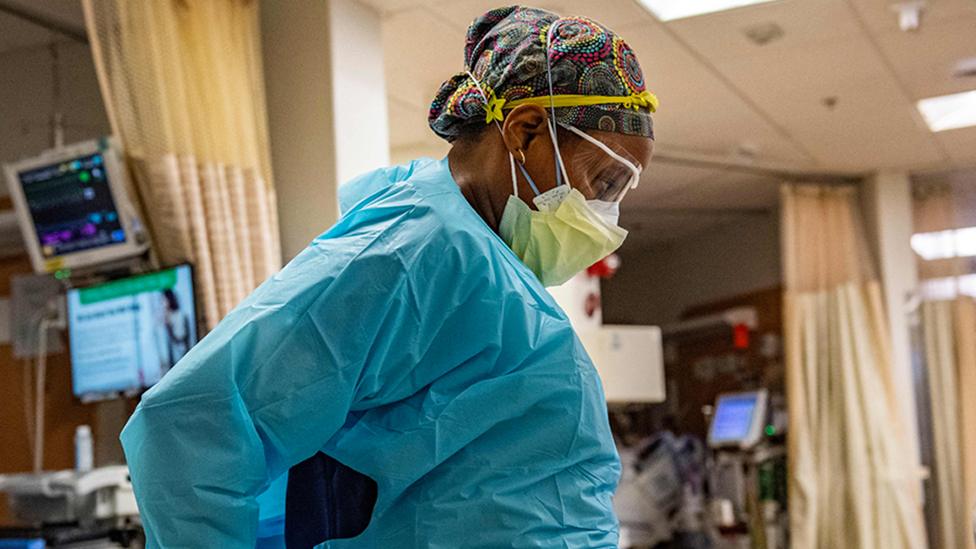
pixel 603 172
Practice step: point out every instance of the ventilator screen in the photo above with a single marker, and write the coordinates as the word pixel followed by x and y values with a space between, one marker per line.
pixel 734 418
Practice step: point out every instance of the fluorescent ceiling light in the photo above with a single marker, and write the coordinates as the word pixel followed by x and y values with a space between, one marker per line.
pixel 949 287
pixel 945 244
pixel 668 10
pixel 948 112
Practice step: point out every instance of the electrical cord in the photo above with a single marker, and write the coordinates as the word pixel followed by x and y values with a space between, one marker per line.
pixel 39 396
pixel 28 367
pixel 55 310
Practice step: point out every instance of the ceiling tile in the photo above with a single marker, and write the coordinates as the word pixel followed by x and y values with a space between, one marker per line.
pixel 613 14
pixel 925 60
pixel 960 144
pixel 805 68
pixel 416 68
pixel 461 13
pixel 720 91
pixel 698 110
pixel 806 23
pixel 879 16
pixel 389 7
pixel 872 125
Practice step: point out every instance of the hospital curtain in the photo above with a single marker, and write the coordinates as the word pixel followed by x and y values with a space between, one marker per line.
pixel 183 86
pixel 948 322
pixel 852 482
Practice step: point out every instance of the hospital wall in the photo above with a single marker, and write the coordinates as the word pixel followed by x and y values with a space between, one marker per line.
pixel 326 101
pixel 659 281
pixel 26 103
pixel 63 412
pixel 27 99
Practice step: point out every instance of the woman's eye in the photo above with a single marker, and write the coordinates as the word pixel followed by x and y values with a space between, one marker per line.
pixel 606 178
pixel 600 183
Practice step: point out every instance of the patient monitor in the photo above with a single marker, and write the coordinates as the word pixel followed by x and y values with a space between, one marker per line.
pixel 73 208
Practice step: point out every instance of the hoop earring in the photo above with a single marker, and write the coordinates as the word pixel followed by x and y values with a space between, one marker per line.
pixel 522 154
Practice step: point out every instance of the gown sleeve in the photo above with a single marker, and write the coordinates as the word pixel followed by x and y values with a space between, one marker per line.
pixel 369 314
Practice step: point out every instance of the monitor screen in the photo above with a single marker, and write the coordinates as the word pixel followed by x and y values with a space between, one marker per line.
pixel 734 417
pixel 127 333
pixel 71 205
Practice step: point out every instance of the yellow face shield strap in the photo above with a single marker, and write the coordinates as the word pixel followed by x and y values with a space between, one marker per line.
pixel 495 107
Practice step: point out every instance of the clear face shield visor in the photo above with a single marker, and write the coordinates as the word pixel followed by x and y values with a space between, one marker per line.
pixel 603 172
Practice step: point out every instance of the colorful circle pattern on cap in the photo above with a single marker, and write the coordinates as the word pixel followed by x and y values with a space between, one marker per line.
pixel 506 50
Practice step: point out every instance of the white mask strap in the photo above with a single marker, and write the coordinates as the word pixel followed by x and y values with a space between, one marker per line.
pixel 485 97
pixel 511 158
pixel 552 107
pixel 559 156
pixel 511 161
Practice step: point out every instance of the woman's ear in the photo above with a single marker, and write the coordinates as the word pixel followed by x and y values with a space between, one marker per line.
pixel 522 126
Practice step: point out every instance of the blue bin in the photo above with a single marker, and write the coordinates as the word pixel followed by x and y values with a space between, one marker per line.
pixel 22 544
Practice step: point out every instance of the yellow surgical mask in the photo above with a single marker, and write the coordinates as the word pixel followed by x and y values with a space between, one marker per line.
pixel 562 238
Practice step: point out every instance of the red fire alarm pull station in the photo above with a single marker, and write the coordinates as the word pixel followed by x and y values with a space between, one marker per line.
pixel 605 268
pixel 740 337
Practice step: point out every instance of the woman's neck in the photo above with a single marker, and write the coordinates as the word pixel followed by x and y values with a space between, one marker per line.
pixel 476 176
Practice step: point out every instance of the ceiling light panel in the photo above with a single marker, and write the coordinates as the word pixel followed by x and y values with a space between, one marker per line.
pixel 949 112
pixel 945 244
pixel 669 10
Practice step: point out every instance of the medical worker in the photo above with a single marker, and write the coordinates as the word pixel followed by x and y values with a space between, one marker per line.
pixel 409 366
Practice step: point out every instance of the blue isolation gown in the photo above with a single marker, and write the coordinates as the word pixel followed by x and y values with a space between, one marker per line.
pixel 411 345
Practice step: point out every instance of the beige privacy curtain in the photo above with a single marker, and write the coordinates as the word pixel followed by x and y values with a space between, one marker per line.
pixel 852 482
pixel 949 332
pixel 183 86
pixel 949 329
